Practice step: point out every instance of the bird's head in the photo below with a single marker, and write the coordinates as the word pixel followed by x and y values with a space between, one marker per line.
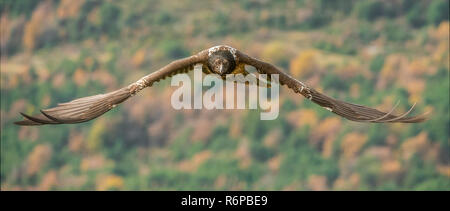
pixel 221 62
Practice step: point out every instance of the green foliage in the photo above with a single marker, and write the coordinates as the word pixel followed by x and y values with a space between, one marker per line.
pixel 396 32
pixel 369 10
pixel 416 17
pixel 366 33
pixel 220 25
pixel 377 63
pixel 221 140
pixel 16 8
pixel 438 11
pixel 316 20
pixel 439 124
pixel 173 49
pixel 407 5
pixel 348 48
pixel 164 17
pixel 109 16
pixel 331 82
pixel 304 161
pixel 336 5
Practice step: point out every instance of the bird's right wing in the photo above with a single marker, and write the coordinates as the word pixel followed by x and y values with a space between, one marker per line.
pixel 88 108
pixel 347 110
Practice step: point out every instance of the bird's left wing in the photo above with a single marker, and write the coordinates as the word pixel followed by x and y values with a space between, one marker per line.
pixel 87 108
pixel 347 110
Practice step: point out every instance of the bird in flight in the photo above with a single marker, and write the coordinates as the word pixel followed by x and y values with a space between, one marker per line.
pixel 220 60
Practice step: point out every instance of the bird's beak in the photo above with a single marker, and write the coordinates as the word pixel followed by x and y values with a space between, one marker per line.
pixel 221 68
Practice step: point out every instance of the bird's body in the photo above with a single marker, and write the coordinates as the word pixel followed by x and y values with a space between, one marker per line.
pixel 220 60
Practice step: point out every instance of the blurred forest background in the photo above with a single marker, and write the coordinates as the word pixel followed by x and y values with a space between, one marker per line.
pixel 368 52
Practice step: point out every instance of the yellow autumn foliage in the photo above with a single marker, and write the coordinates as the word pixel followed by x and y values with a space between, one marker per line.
pixel 92 163
pixel 273 138
pixel 94 16
pixel 352 143
pixel 327 148
pixel 138 58
pixel 105 78
pixel 75 141
pixel 27 133
pixel 355 90
pixel 391 66
pixel 40 155
pixel 414 145
pixel 308 117
pixel 235 128
pixel 326 127
pixel 444 170
pixel 442 31
pixel 45 102
pixel 391 167
pixel 419 66
pixel 349 71
pixel 157 129
pixel 415 88
pixel 220 182
pixel 94 139
pixel 49 181
pixel 5 31
pixel 304 63
pixel 80 77
pixel 201 157
pixel 43 74
pixel 242 153
pixel 110 182
pixel 295 185
pixel 69 8
pixel 346 183
pixel 317 183
pixel 202 130
pixel 192 164
pixel 274 52
pixel 275 162
pixel 382 153
pixel 89 62
pixel 34 27
pixel 59 80
pixel 441 53
pixel 302 118
pixel 29 36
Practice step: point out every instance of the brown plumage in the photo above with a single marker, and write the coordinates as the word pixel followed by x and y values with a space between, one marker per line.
pixel 219 60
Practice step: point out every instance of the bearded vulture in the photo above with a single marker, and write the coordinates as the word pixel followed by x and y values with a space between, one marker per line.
pixel 220 60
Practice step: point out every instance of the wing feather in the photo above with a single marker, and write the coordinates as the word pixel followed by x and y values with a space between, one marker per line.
pixel 91 107
pixel 347 110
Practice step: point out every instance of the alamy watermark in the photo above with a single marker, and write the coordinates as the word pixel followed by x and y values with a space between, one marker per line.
pixel 235 84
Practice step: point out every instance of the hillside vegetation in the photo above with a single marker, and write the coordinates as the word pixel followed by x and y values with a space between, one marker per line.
pixel 368 52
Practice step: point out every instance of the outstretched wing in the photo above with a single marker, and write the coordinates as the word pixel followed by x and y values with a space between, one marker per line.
pixel 87 108
pixel 347 110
